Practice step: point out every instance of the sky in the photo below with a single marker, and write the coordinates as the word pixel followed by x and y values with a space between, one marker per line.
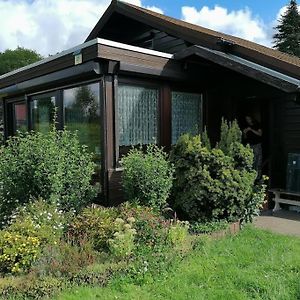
pixel 51 26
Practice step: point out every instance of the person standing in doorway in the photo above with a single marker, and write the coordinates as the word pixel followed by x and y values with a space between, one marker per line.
pixel 253 136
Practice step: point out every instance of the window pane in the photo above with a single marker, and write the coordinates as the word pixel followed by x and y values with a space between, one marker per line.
pixel 20 117
pixel 42 113
pixel 137 115
pixel 82 114
pixel 186 114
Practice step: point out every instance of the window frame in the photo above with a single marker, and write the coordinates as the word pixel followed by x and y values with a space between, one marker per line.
pixel 9 118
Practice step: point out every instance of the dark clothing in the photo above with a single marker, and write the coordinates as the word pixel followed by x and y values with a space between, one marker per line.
pixel 257 160
pixel 251 138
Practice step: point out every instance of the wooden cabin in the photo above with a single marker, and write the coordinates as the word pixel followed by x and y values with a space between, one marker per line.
pixel 142 77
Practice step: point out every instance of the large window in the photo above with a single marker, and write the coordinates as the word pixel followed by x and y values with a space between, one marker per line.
pixel 137 116
pixel 186 114
pixel 82 114
pixel 42 112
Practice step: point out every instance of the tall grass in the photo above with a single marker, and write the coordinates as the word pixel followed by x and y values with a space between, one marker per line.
pixel 252 265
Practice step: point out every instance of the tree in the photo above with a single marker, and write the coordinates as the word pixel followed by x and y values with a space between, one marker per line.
pixel 14 59
pixel 287 37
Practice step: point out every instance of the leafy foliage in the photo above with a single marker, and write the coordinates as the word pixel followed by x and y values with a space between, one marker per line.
pixel 122 243
pixel 14 59
pixel 178 232
pixel 53 166
pixel 17 252
pixel 230 134
pixel 93 224
pixel 208 227
pixel 211 185
pixel 64 259
pixel 151 228
pixel 147 177
pixel 255 203
pixel 40 219
pixel 30 287
pixel 287 37
pixel 205 139
pixel 30 229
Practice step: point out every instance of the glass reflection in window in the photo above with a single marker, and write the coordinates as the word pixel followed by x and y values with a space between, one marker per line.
pixel 42 113
pixel 82 114
pixel 20 117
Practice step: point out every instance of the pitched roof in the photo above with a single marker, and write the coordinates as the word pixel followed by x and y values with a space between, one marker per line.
pixel 198 35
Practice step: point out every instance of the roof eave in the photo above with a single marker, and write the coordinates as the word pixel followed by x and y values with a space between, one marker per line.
pixel 250 69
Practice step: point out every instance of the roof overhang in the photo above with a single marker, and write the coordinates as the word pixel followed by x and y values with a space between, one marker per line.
pixel 86 69
pixel 96 41
pixel 258 72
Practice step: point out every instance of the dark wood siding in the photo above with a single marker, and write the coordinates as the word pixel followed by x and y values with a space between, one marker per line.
pixel 285 137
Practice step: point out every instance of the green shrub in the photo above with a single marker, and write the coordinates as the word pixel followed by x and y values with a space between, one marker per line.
pixel 178 232
pixel 147 177
pixel 64 259
pixel 39 219
pixel 52 166
pixel 30 287
pixel 208 184
pixel 208 227
pixel 98 274
pixel 122 243
pixel 31 228
pixel 205 139
pixel 254 204
pixel 93 224
pixel 151 228
pixel 17 252
pixel 230 134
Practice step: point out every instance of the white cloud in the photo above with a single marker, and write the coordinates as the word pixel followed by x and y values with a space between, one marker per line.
pixel 155 9
pixel 50 26
pixel 139 3
pixel 239 23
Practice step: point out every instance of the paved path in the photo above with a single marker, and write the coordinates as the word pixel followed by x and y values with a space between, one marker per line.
pixel 283 221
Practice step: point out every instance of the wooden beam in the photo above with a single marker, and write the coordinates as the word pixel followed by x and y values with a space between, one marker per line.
pixel 232 63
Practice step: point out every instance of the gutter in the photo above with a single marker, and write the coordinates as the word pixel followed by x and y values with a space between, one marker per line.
pixel 86 69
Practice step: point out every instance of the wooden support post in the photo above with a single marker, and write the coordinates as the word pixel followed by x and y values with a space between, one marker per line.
pixel 277 200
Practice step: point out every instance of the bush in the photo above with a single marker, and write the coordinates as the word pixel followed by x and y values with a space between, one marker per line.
pixel 208 227
pixel 210 185
pixel 30 287
pixel 17 252
pixel 39 219
pixel 178 232
pixel 255 203
pixel 64 259
pixel 147 177
pixel 151 228
pixel 230 134
pixel 52 166
pixel 93 224
pixel 30 229
pixel 122 243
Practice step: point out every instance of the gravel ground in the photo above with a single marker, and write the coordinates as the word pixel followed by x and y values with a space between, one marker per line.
pixel 283 221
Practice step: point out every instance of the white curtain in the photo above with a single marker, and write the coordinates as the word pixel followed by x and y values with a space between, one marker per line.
pixel 186 114
pixel 137 115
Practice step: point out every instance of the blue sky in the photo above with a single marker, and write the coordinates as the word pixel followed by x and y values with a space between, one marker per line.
pixel 266 9
pixel 50 26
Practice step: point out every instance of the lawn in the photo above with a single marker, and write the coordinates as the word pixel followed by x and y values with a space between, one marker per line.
pixel 252 265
